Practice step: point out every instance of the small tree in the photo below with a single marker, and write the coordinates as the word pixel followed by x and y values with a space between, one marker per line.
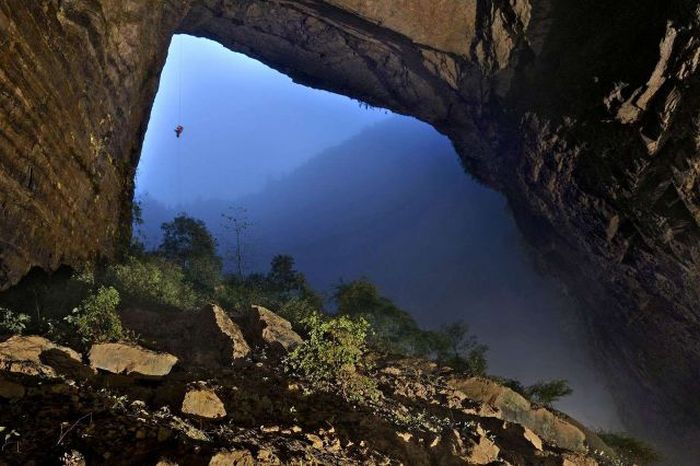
pixel 456 347
pixel 237 223
pixel 391 329
pixel 149 280
pixel 138 244
pixel 13 322
pixel 629 448
pixel 333 357
pixel 96 318
pixel 546 393
pixel 188 242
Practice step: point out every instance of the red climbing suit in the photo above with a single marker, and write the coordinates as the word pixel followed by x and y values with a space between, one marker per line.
pixel 179 130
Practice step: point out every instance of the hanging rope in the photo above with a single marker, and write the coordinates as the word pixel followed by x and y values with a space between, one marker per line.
pixel 179 82
pixel 179 128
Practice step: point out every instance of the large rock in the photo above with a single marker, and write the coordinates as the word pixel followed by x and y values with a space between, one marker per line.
pixel 121 358
pixel 503 403
pixel 205 338
pixel 35 355
pixel 203 402
pixel 232 458
pixel 273 330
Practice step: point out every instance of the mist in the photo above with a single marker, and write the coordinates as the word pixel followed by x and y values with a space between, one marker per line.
pixel 354 192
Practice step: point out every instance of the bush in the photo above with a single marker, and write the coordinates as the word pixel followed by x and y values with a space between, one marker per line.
pixel 153 281
pixel 282 288
pixel 457 348
pixel 629 448
pixel 297 310
pixel 13 322
pixel 546 393
pixel 188 242
pixel 332 359
pixel 391 329
pixel 96 318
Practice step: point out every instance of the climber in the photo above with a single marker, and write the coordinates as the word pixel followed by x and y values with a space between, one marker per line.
pixel 179 130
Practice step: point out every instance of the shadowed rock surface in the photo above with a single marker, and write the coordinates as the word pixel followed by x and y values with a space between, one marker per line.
pixel 206 338
pixel 584 114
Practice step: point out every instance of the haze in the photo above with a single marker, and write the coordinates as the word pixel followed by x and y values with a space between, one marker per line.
pixel 352 192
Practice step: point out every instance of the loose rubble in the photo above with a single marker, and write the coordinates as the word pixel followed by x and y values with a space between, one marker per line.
pixel 143 406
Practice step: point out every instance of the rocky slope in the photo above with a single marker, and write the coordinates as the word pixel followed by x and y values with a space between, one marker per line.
pixel 221 397
pixel 583 113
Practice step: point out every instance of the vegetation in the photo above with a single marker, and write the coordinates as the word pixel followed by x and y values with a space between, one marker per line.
pixel 185 271
pixel 153 280
pixel 546 393
pixel 13 323
pixel 630 449
pixel 96 319
pixel 543 393
pixel 283 289
pixel 457 348
pixel 236 222
pixel 394 330
pixel 188 243
pixel 333 357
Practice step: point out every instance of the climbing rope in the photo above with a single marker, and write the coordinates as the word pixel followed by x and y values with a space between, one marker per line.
pixel 179 128
pixel 179 82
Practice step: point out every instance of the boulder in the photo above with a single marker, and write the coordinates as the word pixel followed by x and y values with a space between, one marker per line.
pixel 130 359
pixel 35 355
pixel 203 402
pixel 205 338
pixel 272 330
pixel 455 450
pixel 232 458
pixel 504 403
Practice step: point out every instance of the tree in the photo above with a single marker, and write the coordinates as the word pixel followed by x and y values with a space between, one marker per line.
pixel 187 242
pixel 457 347
pixel 333 357
pixel 392 329
pixel 546 393
pixel 631 449
pixel 138 244
pixel 237 222
pixel 283 276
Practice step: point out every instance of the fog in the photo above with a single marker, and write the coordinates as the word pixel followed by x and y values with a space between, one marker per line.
pixel 352 192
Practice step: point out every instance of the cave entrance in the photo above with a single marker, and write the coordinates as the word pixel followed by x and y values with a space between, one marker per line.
pixel 353 191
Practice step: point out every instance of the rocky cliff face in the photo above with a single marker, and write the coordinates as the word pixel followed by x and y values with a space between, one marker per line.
pixel 584 114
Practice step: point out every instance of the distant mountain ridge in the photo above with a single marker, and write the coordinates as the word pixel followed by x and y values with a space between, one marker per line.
pixel 394 205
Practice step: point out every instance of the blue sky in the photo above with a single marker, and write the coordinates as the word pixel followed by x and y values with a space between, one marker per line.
pixel 399 209
pixel 245 125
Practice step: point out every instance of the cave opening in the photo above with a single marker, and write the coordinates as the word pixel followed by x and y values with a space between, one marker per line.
pixel 351 191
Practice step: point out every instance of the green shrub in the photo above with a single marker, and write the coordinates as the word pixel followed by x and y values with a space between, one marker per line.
pixel 332 359
pixel 392 330
pixel 13 322
pixel 297 310
pixel 96 318
pixel 282 288
pixel 240 293
pixel 629 448
pixel 457 348
pixel 546 393
pixel 153 281
pixel 188 242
